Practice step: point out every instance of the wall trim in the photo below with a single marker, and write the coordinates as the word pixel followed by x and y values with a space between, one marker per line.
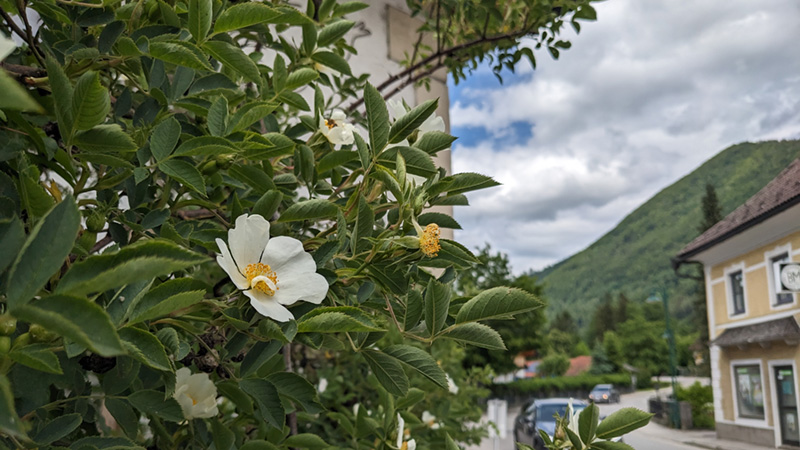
pixel 767 318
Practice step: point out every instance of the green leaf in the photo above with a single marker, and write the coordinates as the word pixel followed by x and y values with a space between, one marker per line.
pixel 336 159
pixel 244 15
pixel 279 145
pixel 258 355
pixel 267 398
pixel 336 319
pixel 180 54
pixel 105 138
pixel 75 318
pixel 417 161
pixel 250 114
pixel 218 117
pixel 62 96
pixel 305 440
pixel 200 12
pixel 313 209
pixel 574 439
pixel 145 347
pixel 388 371
pixel 184 172
pixel 298 390
pixel 413 397
pixel 294 100
pixel 463 182
pixel 258 444
pixel 437 303
pixel 223 437
pixel 37 356
pixel 335 62
pixel 419 361
pixel 58 428
pixel 153 402
pixel 586 12
pixel 43 253
pixel 10 423
pixel 342 9
pixel 90 103
pixel 405 125
pixel 253 177
pixel 124 415
pixel 12 237
pixel 497 303
pixel 231 391
pixel 622 422
pixel 268 203
pixel 35 199
pixel 477 334
pixel 587 422
pixel 234 59
pixel 377 118
pixel 301 77
pixel 363 151
pixel 434 141
pixel 414 309
pixel 15 97
pixel 443 220
pixel 205 146
pixel 609 445
pixel 142 260
pixel 365 223
pixel 333 32
pixel 169 296
pixel 389 276
pixel 164 138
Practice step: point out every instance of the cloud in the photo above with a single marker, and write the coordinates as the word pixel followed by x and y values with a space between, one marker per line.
pixel 646 94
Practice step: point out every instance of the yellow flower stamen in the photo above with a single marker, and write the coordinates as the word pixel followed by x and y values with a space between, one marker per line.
pixel 404 446
pixel 330 123
pixel 255 270
pixel 429 241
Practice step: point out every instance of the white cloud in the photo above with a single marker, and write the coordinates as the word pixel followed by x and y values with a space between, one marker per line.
pixel 645 95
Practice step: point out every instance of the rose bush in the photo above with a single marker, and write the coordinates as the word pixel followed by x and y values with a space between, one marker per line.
pixel 144 140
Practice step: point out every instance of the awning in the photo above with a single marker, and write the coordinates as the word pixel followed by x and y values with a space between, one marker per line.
pixel 785 329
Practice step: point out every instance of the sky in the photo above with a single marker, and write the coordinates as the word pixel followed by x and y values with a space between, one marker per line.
pixel 645 95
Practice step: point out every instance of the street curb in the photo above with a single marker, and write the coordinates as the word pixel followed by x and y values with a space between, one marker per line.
pixel 701 445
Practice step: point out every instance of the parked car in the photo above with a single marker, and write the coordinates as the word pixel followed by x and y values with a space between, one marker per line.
pixel 604 393
pixel 540 415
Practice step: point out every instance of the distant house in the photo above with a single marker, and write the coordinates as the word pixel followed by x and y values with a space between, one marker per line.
pixel 753 314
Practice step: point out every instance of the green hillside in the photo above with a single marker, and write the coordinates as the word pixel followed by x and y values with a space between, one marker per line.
pixel 634 257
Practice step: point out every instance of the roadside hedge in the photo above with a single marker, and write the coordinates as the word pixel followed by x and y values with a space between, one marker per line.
pixel 577 386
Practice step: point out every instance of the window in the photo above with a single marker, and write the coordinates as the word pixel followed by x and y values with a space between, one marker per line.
pixel 749 391
pixel 781 298
pixel 737 292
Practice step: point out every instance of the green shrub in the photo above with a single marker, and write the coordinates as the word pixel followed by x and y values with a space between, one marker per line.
pixel 554 365
pixel 702 400
pixel 557 385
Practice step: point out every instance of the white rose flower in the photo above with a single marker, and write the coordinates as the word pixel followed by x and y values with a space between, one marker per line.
pixel 410 444
pixel 430 420
pixel 196 394
pixel 273 273
pixel 336 130
pixel 451 385
pixel 323 384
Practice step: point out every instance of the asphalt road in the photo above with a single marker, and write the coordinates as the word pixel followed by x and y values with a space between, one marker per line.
pixel 650 437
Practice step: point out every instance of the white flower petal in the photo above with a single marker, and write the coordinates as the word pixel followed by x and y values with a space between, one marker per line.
pixel 6 46
pixel 396 108
pixel 268 307
pixel 248 239
pixel 225 260
pixel 286 255
pixel 311 287
pixel 338 115
pixel 196 394
pixel 432 123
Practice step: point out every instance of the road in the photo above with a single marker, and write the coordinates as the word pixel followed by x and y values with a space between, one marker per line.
pixel 650 437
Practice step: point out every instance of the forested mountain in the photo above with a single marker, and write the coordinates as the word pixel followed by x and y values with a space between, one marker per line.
pixel 634 257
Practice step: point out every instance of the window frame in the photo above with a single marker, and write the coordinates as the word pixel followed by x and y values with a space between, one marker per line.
pixel 738 417
pixel 772 258
pixel 729 280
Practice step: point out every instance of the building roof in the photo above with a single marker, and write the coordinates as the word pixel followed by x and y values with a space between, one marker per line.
pixel 777 196
pixel 785 329
pixel 579 365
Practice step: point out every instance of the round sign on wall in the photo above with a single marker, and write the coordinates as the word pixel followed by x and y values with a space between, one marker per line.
pixel 790 276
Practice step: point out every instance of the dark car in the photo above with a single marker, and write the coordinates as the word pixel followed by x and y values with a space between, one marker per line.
pixel 604 393
pixel 540 415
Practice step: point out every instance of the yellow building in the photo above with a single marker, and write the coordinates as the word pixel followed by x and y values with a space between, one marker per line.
pixel 753 313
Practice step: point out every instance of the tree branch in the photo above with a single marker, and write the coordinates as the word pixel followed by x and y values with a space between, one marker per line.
pixel 11 24
pixel 431 58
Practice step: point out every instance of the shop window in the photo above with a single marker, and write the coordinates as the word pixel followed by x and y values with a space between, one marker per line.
pixel 749 391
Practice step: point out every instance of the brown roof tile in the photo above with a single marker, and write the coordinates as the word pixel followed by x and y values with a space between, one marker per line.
pixel 785 329
pixel 780 193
